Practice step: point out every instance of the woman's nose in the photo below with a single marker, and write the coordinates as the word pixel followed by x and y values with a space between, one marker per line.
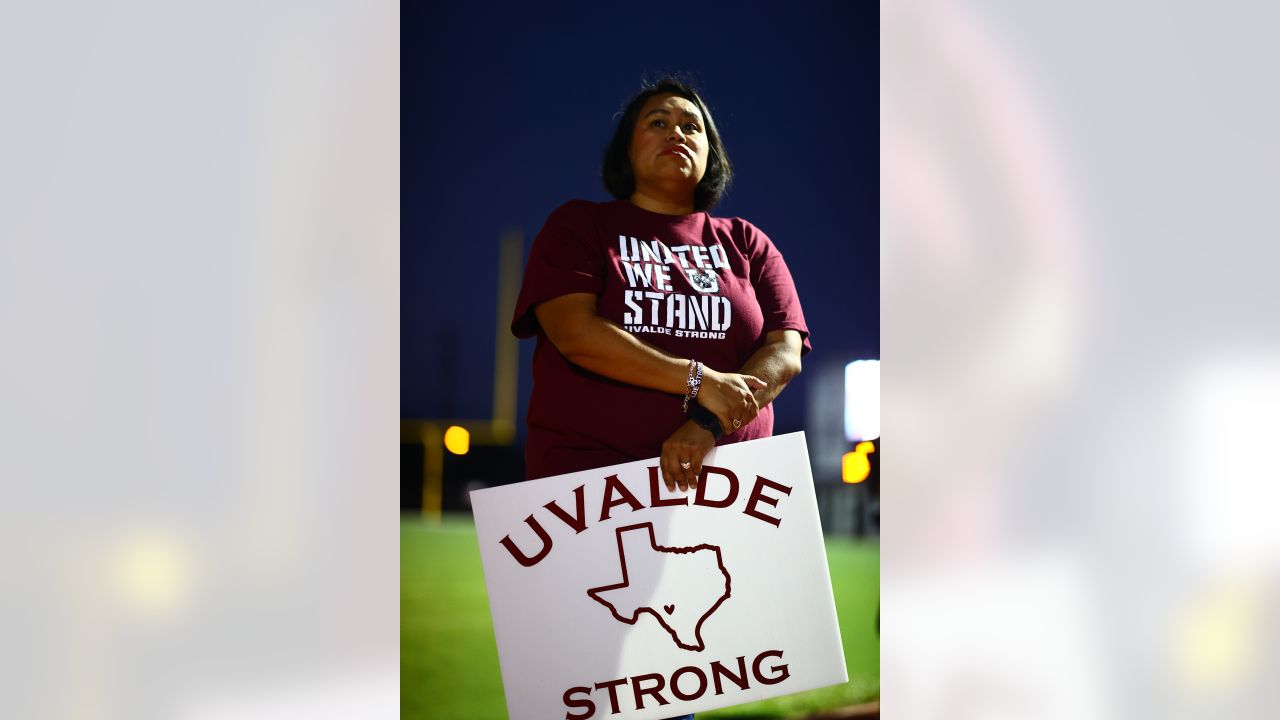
pixel 676 134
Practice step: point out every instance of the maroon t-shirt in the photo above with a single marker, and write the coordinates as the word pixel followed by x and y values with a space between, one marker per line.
pixel 694 286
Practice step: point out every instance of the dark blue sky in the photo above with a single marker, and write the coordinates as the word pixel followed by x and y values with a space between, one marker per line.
pixel 506 112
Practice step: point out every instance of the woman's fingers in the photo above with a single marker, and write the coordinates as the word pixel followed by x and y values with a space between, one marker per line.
pixel 681 462
pixel 745 413
pixel 693 456
pixel 682 455
pixel 690 455
pixel 695 468
pixel 722 407
pixel 667 462
pixel 726 422
pixel 731 396
pixel 675 457
pixel 749 408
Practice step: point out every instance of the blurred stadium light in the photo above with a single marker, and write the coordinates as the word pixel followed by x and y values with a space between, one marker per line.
pixel 457 440
pixel 843 428
pixel 855 466
pixel 862 400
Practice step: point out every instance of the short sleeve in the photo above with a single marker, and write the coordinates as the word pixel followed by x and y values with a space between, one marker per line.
pixel 775 290
pixel 566 257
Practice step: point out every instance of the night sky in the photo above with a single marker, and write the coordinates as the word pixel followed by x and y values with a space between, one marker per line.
pixel 507 110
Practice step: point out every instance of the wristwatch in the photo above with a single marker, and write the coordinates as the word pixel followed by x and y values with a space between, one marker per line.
pixel 706 420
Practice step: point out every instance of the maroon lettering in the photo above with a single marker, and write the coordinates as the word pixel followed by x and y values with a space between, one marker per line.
pixel 781 672
pixel 701 498
pixel 654 499
pixel 589 708
pixel 613 693
pixel 577 521
pixel 614 486
pixel 741 679
pixel 652 684
pixel 758 496
pixel 519 555
pixel 641 692
pixel 675 683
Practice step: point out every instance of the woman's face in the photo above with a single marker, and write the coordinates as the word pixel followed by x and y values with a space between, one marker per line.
pixel 669 142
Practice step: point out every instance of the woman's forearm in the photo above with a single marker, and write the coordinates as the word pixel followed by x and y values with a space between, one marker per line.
pixel 604 348
pixel 776 363
pixel 592 342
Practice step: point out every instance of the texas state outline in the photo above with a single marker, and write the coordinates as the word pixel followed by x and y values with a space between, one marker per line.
pixel 653 542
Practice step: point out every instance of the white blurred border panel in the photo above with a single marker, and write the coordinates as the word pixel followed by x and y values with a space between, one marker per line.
pixel 1080 246
pixel 199 288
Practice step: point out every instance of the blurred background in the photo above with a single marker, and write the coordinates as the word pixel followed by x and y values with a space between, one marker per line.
pixel 1079 309
pixel 506 117
pixel 199 303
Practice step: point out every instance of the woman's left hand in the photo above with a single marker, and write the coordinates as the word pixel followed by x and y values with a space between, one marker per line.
pixel 687 445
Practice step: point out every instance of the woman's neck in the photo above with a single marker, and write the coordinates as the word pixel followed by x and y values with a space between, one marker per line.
pixel 663 204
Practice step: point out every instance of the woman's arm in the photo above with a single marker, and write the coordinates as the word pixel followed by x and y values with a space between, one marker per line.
pixel 777 362
pixel 592 342
pixel 601 346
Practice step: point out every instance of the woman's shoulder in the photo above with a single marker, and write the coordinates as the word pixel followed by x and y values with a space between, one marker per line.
pixel 742 231
pixel 578 207
pixel 578 216
pixel 731 221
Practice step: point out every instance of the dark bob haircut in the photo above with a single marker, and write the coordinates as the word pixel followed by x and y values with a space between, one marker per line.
pixel 620 179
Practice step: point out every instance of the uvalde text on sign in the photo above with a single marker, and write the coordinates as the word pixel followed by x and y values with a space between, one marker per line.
pixel 616 494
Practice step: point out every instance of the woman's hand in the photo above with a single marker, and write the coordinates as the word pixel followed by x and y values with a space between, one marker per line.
pixel 730 396
pixel 689 444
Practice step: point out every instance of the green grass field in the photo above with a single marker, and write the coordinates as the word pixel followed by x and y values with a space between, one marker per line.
pixel 449 662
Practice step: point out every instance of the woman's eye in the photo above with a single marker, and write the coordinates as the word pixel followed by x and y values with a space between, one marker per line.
pixel 658 123
pixel 690 127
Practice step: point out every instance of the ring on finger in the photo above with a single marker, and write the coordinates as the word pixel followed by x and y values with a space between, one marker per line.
pixel 737 423
pixel 685 464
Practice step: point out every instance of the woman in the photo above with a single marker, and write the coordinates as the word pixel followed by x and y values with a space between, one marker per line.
pixel 659 327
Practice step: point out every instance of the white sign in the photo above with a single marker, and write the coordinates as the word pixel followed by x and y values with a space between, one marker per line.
pixel 614 598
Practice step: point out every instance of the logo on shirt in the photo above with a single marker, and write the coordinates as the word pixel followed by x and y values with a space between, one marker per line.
pixel 704 281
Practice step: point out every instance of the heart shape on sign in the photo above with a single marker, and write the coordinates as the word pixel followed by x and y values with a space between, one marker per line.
pixel 669 608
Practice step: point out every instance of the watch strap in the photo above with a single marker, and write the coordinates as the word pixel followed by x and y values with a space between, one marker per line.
pixel 706 420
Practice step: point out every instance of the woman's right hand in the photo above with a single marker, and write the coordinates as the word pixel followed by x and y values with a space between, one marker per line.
pixel 731 396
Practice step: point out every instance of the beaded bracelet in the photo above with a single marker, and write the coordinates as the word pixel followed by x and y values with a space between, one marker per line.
pixel 694 383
